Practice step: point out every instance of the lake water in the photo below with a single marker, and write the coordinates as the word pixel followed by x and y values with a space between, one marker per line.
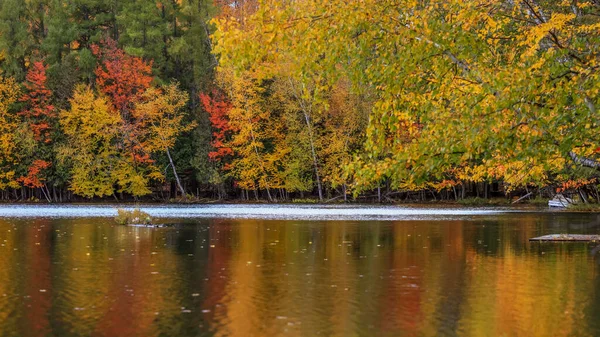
pixel 297 271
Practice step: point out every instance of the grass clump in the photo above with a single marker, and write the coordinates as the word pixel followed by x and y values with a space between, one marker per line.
pixel 136 216
pixel 580 207
pixel 473 201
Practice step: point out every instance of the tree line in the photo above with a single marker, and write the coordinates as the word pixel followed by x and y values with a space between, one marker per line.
pixel 100 99
pixel 282 100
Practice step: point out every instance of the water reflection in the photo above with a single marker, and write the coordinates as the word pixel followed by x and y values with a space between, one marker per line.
pixel 87 277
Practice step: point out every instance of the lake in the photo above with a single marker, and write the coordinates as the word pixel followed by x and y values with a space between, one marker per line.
pixel 297 271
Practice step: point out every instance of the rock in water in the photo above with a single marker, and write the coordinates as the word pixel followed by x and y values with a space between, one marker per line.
pixel 568 237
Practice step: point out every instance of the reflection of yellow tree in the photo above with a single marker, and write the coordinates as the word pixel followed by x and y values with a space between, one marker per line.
pixel 7 284
pixel 526 290
pixel 83 277
pixel 242 315
pixel 340 274
pixel 94 269
pixel 308 273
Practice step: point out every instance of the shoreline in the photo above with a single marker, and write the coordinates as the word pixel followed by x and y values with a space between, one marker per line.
pixel 275 211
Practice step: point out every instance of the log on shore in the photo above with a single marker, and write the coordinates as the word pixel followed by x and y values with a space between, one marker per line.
pixel 568 237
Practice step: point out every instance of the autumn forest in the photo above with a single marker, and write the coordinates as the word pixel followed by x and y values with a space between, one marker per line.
pixel 366 100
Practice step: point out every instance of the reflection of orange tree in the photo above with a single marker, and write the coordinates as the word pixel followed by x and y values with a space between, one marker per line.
pixel 415 272
pixel 38 282
pixel 138 288
pixel 218 268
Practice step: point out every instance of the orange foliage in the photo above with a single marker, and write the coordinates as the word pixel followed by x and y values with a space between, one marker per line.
pixel 120 76
pixel 33 179
pixel 38 111
pixel 574 184
pixel 218 108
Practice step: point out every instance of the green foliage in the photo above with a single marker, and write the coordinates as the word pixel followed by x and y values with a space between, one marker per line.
pixel 16 42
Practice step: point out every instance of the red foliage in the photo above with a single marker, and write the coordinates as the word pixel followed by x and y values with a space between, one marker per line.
pixel 123 78
pixel 120 76
pixel 218 109
pixel 38 110
pixel 33 178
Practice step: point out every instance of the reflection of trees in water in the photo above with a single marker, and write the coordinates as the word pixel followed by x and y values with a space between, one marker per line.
pixel 256 277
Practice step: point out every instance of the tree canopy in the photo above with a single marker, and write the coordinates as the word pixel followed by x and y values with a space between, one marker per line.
pixel 282 99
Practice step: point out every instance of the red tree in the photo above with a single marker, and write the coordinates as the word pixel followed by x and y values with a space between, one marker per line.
pixel 218 108
pixel 40 115
pixel 120 76
pixel 123 78
pixel 39 112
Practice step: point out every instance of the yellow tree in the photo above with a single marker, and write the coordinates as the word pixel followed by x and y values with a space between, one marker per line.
pixel 97 164
pixel 297 144
pixel 345 122
pixel 11 130
pixel 247 49
pixel 159 115
pixel 256 158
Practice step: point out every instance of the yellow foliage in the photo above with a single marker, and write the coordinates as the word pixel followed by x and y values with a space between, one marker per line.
pixel 160 114
pixel 9 132
pixel 94 151
pixel 462 90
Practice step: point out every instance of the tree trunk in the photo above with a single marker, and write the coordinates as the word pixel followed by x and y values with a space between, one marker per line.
pixel 587 162
pixel 314 157
pixel 176 175
pixel 305 112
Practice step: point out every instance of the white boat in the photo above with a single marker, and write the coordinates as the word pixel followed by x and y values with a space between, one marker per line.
pixel 560 201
